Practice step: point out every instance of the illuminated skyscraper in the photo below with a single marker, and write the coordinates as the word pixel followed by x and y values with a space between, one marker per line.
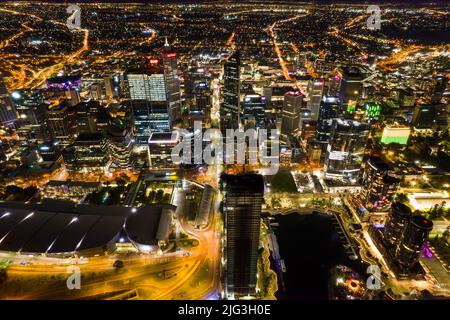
pixel 396 223
pixel 32 116
pixel 149 100
pixel 329 109
pixel 8 114
pixel 148 84
pixel 292 107
pixel 230 109
pixel 380 185
pixel 149 117
pixel 61 121
pixel 315 93
pixel 243 198
pixel 413 240
pixel 345 149
pixel 119 146
pixel 351 85
pixel 172 81
pixel 255 109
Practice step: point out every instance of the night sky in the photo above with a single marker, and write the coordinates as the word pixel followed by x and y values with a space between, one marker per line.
pixel 256 1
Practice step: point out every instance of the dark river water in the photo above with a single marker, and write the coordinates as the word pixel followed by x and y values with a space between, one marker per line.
pixel 310 247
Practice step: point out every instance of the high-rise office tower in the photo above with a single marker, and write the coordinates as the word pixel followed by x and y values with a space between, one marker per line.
pixel 396 223
pixel 61 120
pixel 194 77
pixel 149 100
pixel 86 117
pixel 119 146
pixel 8 114
pixel 112 85
pixel 149 117
pixel 91 151
pixel 351 87
pixel 292 106
pixel 345 150
pixel 329 109
pixel 32 116
pixel 170 66
pixel 380 186
pixel 148 83
pixel 230 109
pixel 255 109
pixel 202 98
pixel 243 198
pixel 334 85
pixel 315 93
pixel 413 240
pixel 201 104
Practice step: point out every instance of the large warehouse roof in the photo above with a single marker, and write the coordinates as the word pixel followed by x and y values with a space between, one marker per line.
pixel 41 231
pixel 55 227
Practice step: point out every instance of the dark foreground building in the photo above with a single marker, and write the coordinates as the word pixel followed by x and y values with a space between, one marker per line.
pixel 414 238
pixel 402 240
pixel 243 198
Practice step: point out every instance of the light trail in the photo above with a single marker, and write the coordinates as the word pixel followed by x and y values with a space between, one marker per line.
pixel 230 41
pixel 277 49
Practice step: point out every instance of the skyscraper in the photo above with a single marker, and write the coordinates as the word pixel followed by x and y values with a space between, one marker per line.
pixel 8 114
pixel 351 85
pixel 255 109
pixel 172 81
pixel 149 117
pixel 149 100
pixel 413 240
pixel 149 83
pixel 379 184
pixel 345 150
pixel 32 116
pixel 292 106
pixel 91 151
pixel 315 93
pixel 201 104
pixel 61 121
pixel 243 198
pixel 119 146
pixel 329 109
pixel 230 109
pixel 396 223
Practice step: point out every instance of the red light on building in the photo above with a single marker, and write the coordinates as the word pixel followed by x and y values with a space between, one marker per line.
pixel 171 55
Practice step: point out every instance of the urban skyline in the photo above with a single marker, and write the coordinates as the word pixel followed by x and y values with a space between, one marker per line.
pixel 257 150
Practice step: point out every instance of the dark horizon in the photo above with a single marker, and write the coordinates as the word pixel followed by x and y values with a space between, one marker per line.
pixel 318 2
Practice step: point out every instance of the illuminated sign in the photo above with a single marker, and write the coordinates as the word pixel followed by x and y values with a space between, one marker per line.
pixel 171 55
